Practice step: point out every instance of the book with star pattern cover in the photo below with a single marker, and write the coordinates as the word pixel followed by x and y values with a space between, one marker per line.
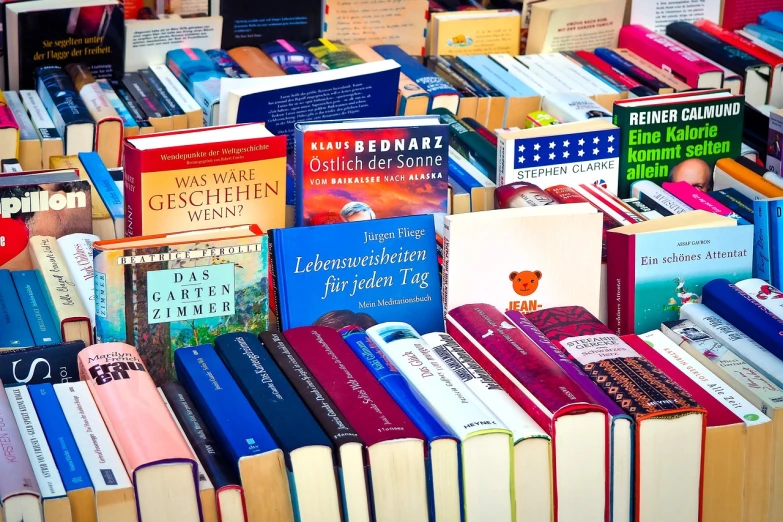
pixel 580 152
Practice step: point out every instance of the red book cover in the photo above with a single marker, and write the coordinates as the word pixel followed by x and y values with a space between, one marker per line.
pixel 739 13
pixel 620 271
pixel 362 399
pixel 211 177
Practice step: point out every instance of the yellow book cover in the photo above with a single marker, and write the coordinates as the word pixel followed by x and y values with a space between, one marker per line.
pixel 203 178
pixel 476 32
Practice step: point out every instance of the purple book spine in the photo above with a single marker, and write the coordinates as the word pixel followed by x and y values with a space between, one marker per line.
pixel 16 473
pixel 573 371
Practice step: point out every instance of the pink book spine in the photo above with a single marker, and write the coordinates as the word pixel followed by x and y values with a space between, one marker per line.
pixel 16 473
pixel 697 199
pixel 665 53
pixel 137 418
pixel 7 119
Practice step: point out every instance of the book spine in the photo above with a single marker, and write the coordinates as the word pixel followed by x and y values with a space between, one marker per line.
pixel 626 67
pixel 736 202
pixel 741 310
pixel 14 330
pixel 39 318
pixel 503 160
pixel 128 121
pixel 16 473
pixel 44 467
pixel 77 252
pixel 712 47
pixel 775 216
pixel 275 267
pixel 651 191
pixel 620 282
pixel 132 193
pixel 697 200
pixel 195 430
pixel 646 211
pixel 97 103
pixel 41 364
pixel 26 128
pixel 150 105
pixel 160 92
pixel 579 61
pixel 61 442
pixel 40 117
pixel 426 79
pixel 130 104
pixel 177 91
pixel 7 118
pixel 60 97
pixel 92 438
pixel 762 242
pixel 104 184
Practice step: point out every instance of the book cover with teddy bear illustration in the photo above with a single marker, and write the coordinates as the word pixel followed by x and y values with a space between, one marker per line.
pixel 524 259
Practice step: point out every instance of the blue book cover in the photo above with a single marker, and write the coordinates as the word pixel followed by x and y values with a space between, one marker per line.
pixel 461 176
pixel 505 82
pixel 773 21
pixel 104 184
pixel 59 95
pixel 371 89
pixel 628 68
pixel 58 434
pixel 358 273
pixel 269 392
pixel 42 325
pixel 762 242
pixel 766 35
pixel 410 67
pixel 14 332
pixel 227 412
pixel 775 216
pixel 736 201
pixel 192 66
pixel 746 314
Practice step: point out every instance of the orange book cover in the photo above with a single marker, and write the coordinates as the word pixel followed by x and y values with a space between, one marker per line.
pixel 135 415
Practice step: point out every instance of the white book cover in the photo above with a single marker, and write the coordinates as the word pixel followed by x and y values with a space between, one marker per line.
pixel 523 73
pixel 26 128
pixel 44 467
pixel 573 106
pixel 557 62
pixel 736 341
pixel 656 193
pixel 568 154
pixel 763 293
pixel 484 387
pixel 706 380
pixel 203 479
pixel 555 82
pixel 657 14
pixel 176 89
pixel 443 390
pixel 40 118
pixel 77 252
pixel 737 372
pixel 148 41
pixel 543 257
pixel 92 438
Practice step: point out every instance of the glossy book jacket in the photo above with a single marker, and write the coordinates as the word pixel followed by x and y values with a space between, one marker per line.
pixel 360 273
pixel 396 171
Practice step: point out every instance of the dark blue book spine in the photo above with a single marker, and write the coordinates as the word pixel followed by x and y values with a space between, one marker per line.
pixel 160 92
pixel 226 411
pixel 712 47
pixel 626 67
pixel 104 184
pixel 410 67
pixel 269 392
pixel 14 332
pixel 44 329
pixel 461 176
pixel 60 97
pixel 55 364
pixel 736 201
pixel 745 313
pixel 58 434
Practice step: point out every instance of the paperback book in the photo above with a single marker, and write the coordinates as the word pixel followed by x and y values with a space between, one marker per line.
pixel 364 169
pixel 165 292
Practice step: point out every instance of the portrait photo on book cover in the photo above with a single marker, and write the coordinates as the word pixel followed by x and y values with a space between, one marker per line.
pixel 696 172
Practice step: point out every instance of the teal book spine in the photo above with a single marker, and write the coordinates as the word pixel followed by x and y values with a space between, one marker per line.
pixel 43 327
pixel 762 244
pixel 14 332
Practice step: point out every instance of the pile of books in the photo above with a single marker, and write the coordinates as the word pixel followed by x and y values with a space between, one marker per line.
pixel 399 261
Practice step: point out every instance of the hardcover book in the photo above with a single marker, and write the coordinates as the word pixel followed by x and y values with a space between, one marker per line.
pixel 19 489
pixel 49 138
pixel 14 330
pixel 381 22
pixel 442 445
pixel 114 498
pixel 161 293
pixel 307 449
pixel 371 168
pixel 656 267
pixel 33 302
pixel 641 71
pixel 669 423
pixel 53 32
pixel 349 447
pixel 179 95
pixel 583 152
pixel 677 137
pixel 150 444
pixel 63 103
pixel 105 188
pixel 228 495
pixel 250 448
pixel 239 179
pixel 55 363
pixel 256 24
pixel 552 398
pixel 360 273
pixel 523 278
pixel 30 208
pixel 394 445
pixel 56 504
pixel 485 442
pixel 77 253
